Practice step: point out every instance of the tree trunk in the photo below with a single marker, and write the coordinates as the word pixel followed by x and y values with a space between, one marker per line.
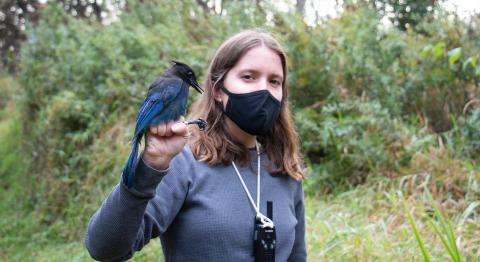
pixel 300 7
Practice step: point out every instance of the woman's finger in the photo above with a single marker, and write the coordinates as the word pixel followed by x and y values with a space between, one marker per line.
pixel 153 130
pixel 169 129
pixel 162 129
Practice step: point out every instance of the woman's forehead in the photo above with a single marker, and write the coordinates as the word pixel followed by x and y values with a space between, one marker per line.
pixel 261 59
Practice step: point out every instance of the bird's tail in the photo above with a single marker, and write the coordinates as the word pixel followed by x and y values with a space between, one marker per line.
pixel 129 169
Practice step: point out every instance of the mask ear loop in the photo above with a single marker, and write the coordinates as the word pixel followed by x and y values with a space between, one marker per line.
pixel 218 84
pixel 224 89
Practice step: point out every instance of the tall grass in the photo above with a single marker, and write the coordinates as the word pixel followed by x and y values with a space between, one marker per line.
pixel 445 231
pixel 418 237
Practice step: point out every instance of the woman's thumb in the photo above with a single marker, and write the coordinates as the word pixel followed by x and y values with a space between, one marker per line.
pixel 180 128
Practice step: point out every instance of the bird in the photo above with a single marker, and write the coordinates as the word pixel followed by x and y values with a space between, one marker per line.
pixel 166 100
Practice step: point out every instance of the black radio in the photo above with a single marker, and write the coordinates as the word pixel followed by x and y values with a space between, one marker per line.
pixel 265 238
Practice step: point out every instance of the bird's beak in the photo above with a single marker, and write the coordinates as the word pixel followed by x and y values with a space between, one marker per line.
pixel 197 87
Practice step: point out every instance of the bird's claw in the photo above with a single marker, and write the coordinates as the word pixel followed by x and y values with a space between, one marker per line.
pixel 202 124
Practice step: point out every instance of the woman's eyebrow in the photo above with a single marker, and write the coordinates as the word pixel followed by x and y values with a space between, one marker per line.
pixel 277 76
pixel 247 71
pixel 254 71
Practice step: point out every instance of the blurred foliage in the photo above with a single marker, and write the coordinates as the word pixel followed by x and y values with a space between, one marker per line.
pixel 353 140
pixel 14 15
pixel 370 100
pixel 464 139
pixel 407 13
pixel 17 15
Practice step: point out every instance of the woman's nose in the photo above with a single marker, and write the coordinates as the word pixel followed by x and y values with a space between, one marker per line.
pixel 263 84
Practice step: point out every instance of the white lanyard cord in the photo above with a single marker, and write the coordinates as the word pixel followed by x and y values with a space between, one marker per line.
pixel 266 222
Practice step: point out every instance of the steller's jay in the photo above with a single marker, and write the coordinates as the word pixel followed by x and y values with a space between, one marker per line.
pixel 166 101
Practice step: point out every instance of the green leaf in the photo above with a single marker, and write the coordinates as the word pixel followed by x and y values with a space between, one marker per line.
pixel 466 63
pixel 439 49
pixel 472 61
pixel 426 50
pixel 454 55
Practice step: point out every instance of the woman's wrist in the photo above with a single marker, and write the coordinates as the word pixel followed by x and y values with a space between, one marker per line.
pixel 156 162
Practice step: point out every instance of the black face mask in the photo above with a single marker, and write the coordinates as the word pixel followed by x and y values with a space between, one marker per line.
pixel 255 112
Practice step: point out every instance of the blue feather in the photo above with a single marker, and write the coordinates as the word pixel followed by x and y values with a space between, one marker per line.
pixel 128 171
pixel 152 106
pixel 166 101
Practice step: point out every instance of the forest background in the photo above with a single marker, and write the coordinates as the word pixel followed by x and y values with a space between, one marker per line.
pixel 385 95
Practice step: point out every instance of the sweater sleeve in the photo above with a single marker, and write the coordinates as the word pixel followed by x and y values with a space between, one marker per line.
pixel 299 252
pixel 130 217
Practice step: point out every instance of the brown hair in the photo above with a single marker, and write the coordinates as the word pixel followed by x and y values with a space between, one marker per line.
pixel 215 145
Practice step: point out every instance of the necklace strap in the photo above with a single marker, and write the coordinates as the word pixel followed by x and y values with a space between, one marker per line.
pixel 265 221
pixel 245 188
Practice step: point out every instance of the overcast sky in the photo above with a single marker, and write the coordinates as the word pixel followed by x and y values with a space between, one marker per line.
pixel 464 8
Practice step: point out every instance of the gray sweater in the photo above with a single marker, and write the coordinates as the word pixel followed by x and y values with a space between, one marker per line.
pixel 200 212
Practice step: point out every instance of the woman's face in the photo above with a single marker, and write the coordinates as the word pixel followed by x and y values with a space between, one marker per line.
pixel 259 69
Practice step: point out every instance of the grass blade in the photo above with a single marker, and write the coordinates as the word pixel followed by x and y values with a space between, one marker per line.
pixel 426 257
pixel 468 211
pixel 447 228
pixel 442 238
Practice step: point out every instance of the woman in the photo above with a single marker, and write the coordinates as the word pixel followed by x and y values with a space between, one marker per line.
pixel 205 193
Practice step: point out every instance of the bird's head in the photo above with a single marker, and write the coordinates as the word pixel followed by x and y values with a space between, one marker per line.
pixel 186 73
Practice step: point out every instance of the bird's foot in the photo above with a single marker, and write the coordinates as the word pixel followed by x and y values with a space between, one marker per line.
pixel 202 124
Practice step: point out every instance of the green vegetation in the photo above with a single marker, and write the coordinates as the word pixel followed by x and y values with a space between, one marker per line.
pixel 382 114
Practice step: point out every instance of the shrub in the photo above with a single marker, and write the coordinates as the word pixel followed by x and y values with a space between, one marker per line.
pixel 345 142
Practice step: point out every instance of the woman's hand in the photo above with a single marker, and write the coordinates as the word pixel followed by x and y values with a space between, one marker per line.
pixel 163 142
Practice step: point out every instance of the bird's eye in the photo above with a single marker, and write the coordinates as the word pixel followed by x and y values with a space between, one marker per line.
pixel 190 73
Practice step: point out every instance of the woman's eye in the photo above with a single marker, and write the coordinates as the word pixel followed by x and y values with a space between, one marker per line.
pixel 276 82
pixel 247 77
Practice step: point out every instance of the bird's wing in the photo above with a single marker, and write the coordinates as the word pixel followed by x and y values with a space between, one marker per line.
pixel 161 94
pixel 170 88
pixel 150 107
